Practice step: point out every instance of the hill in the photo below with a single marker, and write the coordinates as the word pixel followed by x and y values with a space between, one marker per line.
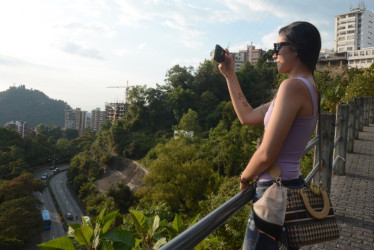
pixel 31 106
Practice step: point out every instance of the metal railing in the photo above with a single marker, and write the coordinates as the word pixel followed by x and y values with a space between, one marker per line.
pixel 349 119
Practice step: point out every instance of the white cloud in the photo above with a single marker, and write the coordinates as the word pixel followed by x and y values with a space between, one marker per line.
pixel 142 46
pixel 91 28
pixel 132 14
pixel 122 52
pixel 81 50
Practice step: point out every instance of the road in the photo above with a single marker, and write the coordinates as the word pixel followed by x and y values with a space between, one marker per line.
pixel 65 200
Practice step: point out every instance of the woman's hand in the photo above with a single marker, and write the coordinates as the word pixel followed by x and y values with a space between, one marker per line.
pixel 244 183
pixel 227 67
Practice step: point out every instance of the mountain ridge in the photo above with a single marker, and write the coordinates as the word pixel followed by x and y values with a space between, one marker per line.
pixel 32 106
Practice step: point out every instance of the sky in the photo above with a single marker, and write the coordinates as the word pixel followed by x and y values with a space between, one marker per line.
pixel 78 50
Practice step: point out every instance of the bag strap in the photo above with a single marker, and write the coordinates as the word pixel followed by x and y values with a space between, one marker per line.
pixel 315 213
pixel 319 133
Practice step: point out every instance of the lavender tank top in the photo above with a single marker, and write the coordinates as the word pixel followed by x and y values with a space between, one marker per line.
pixel 297 139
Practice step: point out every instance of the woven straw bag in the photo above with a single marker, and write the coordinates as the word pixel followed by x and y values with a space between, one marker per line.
pixel 309 218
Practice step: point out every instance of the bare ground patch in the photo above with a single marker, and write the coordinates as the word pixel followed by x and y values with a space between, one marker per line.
pixel 122 170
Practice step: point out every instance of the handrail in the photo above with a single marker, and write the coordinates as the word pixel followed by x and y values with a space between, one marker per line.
pixel 207 225
pixel 199 231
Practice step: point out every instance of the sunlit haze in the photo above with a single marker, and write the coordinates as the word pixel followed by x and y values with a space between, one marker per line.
pixel 72 50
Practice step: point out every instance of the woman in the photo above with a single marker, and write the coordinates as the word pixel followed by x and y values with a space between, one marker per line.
pixel 289 119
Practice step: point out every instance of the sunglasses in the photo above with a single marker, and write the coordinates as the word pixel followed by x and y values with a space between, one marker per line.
pixel 278 46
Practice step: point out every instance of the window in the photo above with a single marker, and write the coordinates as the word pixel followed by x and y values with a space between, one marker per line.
pixel 362 53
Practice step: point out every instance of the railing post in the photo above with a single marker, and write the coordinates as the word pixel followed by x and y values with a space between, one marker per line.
pixel 371 112
pixel 328 127
pixel 341 131
pixel 361 114
pixel 366 111
pixel 351 124
pixel 356 127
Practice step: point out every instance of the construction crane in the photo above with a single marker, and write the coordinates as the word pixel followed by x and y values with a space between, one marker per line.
pixel 127 87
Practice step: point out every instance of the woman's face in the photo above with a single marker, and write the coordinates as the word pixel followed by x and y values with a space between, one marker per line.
pixel 285 57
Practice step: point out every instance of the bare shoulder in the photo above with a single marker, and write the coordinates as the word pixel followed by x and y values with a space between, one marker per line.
pixel 293 87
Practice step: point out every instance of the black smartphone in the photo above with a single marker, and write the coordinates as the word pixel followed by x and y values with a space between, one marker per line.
pixel 219 54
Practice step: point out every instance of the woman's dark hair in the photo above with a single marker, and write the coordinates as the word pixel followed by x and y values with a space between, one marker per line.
pixel 305 38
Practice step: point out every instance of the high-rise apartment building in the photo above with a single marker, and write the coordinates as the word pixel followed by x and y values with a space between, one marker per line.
pixel 354 35
pixel 354 30
pixel 76 119
pixel 97 118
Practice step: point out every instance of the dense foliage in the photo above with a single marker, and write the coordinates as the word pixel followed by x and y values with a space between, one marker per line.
pixel 188 176
pixel 31 106
pixel 19 210
pixel 19 213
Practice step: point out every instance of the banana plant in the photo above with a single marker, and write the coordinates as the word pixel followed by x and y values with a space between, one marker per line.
pixel 147 229
pixel 100 237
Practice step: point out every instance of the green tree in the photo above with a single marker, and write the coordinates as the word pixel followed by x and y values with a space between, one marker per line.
pixel 180 77
pixel 208 78
pixel 176 163
pixel 361 84
pixel 48 131
pixel 122 196
pixel 71 134
pixel 20 218
pixel 21 186
pixel 182 99
pixel 256 83
pixel 207 108
pixel 232 232
pixel 189 122
pixel 19 213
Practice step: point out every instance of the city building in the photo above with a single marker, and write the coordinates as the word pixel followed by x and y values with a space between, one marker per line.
pixel 20 127
pixel 115 111
pixel 354 35
pixel 97 118
pixel 354 30
pixel 361 58
pixel 330 59
pixel 76 119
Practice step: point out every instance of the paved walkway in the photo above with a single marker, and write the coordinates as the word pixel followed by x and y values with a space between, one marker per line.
pixel 352 196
